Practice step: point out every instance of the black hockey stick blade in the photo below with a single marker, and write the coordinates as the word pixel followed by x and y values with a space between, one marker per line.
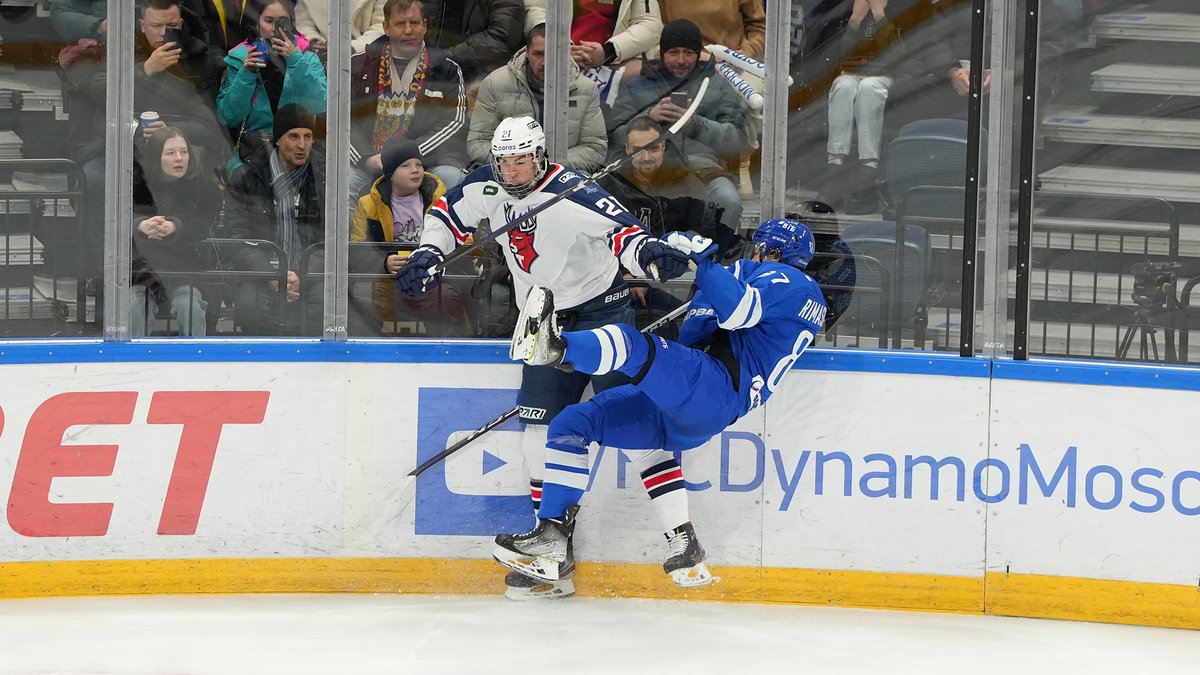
pixel 604 171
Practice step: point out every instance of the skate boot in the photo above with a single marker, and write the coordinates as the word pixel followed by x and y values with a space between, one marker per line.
pixel 522 587
pixel 685 563
pixel 536 339
pixel 545 552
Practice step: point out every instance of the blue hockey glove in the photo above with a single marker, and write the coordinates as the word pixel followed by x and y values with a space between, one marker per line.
pixel 693 245
pixel 660 261
pixel 414 279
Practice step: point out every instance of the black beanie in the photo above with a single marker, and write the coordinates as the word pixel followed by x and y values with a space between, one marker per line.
pixel 397 151
pixel 292 116
pixel 680 33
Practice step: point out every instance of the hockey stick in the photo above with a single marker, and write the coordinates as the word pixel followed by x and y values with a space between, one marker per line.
pixel 405 487
pixel 604 171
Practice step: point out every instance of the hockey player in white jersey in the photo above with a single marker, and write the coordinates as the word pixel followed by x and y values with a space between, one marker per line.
pixel 745 329
pixel 575 247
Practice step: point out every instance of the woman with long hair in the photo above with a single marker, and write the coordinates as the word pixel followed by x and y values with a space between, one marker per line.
pixel 270 69
pixel 174 206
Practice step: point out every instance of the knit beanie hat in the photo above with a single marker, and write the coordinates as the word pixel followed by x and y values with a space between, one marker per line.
pixel 397 151
pixel 680 33
pixel 292 116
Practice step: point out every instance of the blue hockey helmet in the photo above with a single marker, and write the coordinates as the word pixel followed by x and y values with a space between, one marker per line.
pixel 790 239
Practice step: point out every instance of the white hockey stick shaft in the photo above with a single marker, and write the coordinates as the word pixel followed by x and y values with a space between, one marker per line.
pixel 604 171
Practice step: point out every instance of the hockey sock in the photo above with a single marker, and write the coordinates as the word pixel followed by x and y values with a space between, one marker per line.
pixel 533 449
pixel 566 475
pixel 663 478
pixel 605 349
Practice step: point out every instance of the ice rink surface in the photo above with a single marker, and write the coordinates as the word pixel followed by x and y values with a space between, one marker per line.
pixel 354 634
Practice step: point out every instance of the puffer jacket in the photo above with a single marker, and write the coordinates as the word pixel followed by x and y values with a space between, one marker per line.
pixel 373 223
pixel 507 93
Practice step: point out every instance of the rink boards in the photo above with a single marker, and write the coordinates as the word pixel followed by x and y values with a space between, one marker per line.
pixel 872 479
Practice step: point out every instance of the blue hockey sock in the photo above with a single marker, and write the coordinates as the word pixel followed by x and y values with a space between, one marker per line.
pixel 566 475
pixel 605 349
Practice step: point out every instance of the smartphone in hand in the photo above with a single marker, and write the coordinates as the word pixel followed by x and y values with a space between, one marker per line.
pixel 679 98
pixel 284 30
pixel 173 35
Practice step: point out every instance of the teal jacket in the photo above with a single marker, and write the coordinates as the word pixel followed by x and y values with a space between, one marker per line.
pixel 244 98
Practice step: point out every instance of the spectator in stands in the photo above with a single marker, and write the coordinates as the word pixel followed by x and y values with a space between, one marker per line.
pixel 400 87
pixel 607 36
pixel 737 24
pixel 75 20
pixel 931 81
pixel 666 196
pixel 660 189
pixel 174 206
pixel 258 83
pixel 519 89
pixel 366 22
pixel 278 195
pixel 482 35
pixel 392 214
pixel 177 81
pixel 716 134
pixel 859 93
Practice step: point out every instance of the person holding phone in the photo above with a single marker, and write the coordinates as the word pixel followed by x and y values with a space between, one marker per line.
pixel 272 68
pixel 177 78
pixel 715 137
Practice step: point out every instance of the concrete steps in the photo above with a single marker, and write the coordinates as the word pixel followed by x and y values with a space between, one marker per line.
pixel 1147 78
pixel 1176 186
pixel 1081 125
pixel 1156 26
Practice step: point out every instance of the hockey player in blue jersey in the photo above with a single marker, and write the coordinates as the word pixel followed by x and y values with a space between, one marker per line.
pixel 576 248
pixel 746 327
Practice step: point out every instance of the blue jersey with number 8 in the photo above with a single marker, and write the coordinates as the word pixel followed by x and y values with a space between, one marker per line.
pixel 772 311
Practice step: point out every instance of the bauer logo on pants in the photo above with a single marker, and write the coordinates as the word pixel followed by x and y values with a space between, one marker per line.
pixel 481 489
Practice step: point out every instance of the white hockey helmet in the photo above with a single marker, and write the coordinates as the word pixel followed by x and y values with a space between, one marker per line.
pixel 517 136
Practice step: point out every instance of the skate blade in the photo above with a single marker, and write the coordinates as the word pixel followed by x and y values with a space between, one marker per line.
pixel 533 566
pixel 549 590
pixel 522 349
pixel 691 577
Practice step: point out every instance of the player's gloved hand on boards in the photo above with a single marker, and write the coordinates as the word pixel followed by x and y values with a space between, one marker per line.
pixel 661 262
pixel 414 279
pixel 693 245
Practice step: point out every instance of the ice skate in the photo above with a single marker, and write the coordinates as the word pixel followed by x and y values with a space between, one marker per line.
pixel 685 563
pixel 524 588
pixel 545 552
pixel 536 339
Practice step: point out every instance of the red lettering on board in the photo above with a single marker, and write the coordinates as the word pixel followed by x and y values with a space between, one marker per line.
pixel 202 414
pixel 44 457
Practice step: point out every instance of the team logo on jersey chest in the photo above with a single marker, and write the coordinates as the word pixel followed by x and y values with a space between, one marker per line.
pixel 520 240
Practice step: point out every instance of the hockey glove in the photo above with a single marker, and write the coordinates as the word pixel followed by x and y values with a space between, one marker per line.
pixel 414 279
pixel 660 261
pixel 693 245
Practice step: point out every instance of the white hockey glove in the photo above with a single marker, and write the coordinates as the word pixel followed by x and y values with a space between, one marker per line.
pixel 696 247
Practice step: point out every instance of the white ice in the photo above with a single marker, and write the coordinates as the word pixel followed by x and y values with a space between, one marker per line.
pixel 297 634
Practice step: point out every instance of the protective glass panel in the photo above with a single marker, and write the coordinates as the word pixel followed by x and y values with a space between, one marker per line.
pixel 1114 240
pixel 51 125
pixel 878 158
